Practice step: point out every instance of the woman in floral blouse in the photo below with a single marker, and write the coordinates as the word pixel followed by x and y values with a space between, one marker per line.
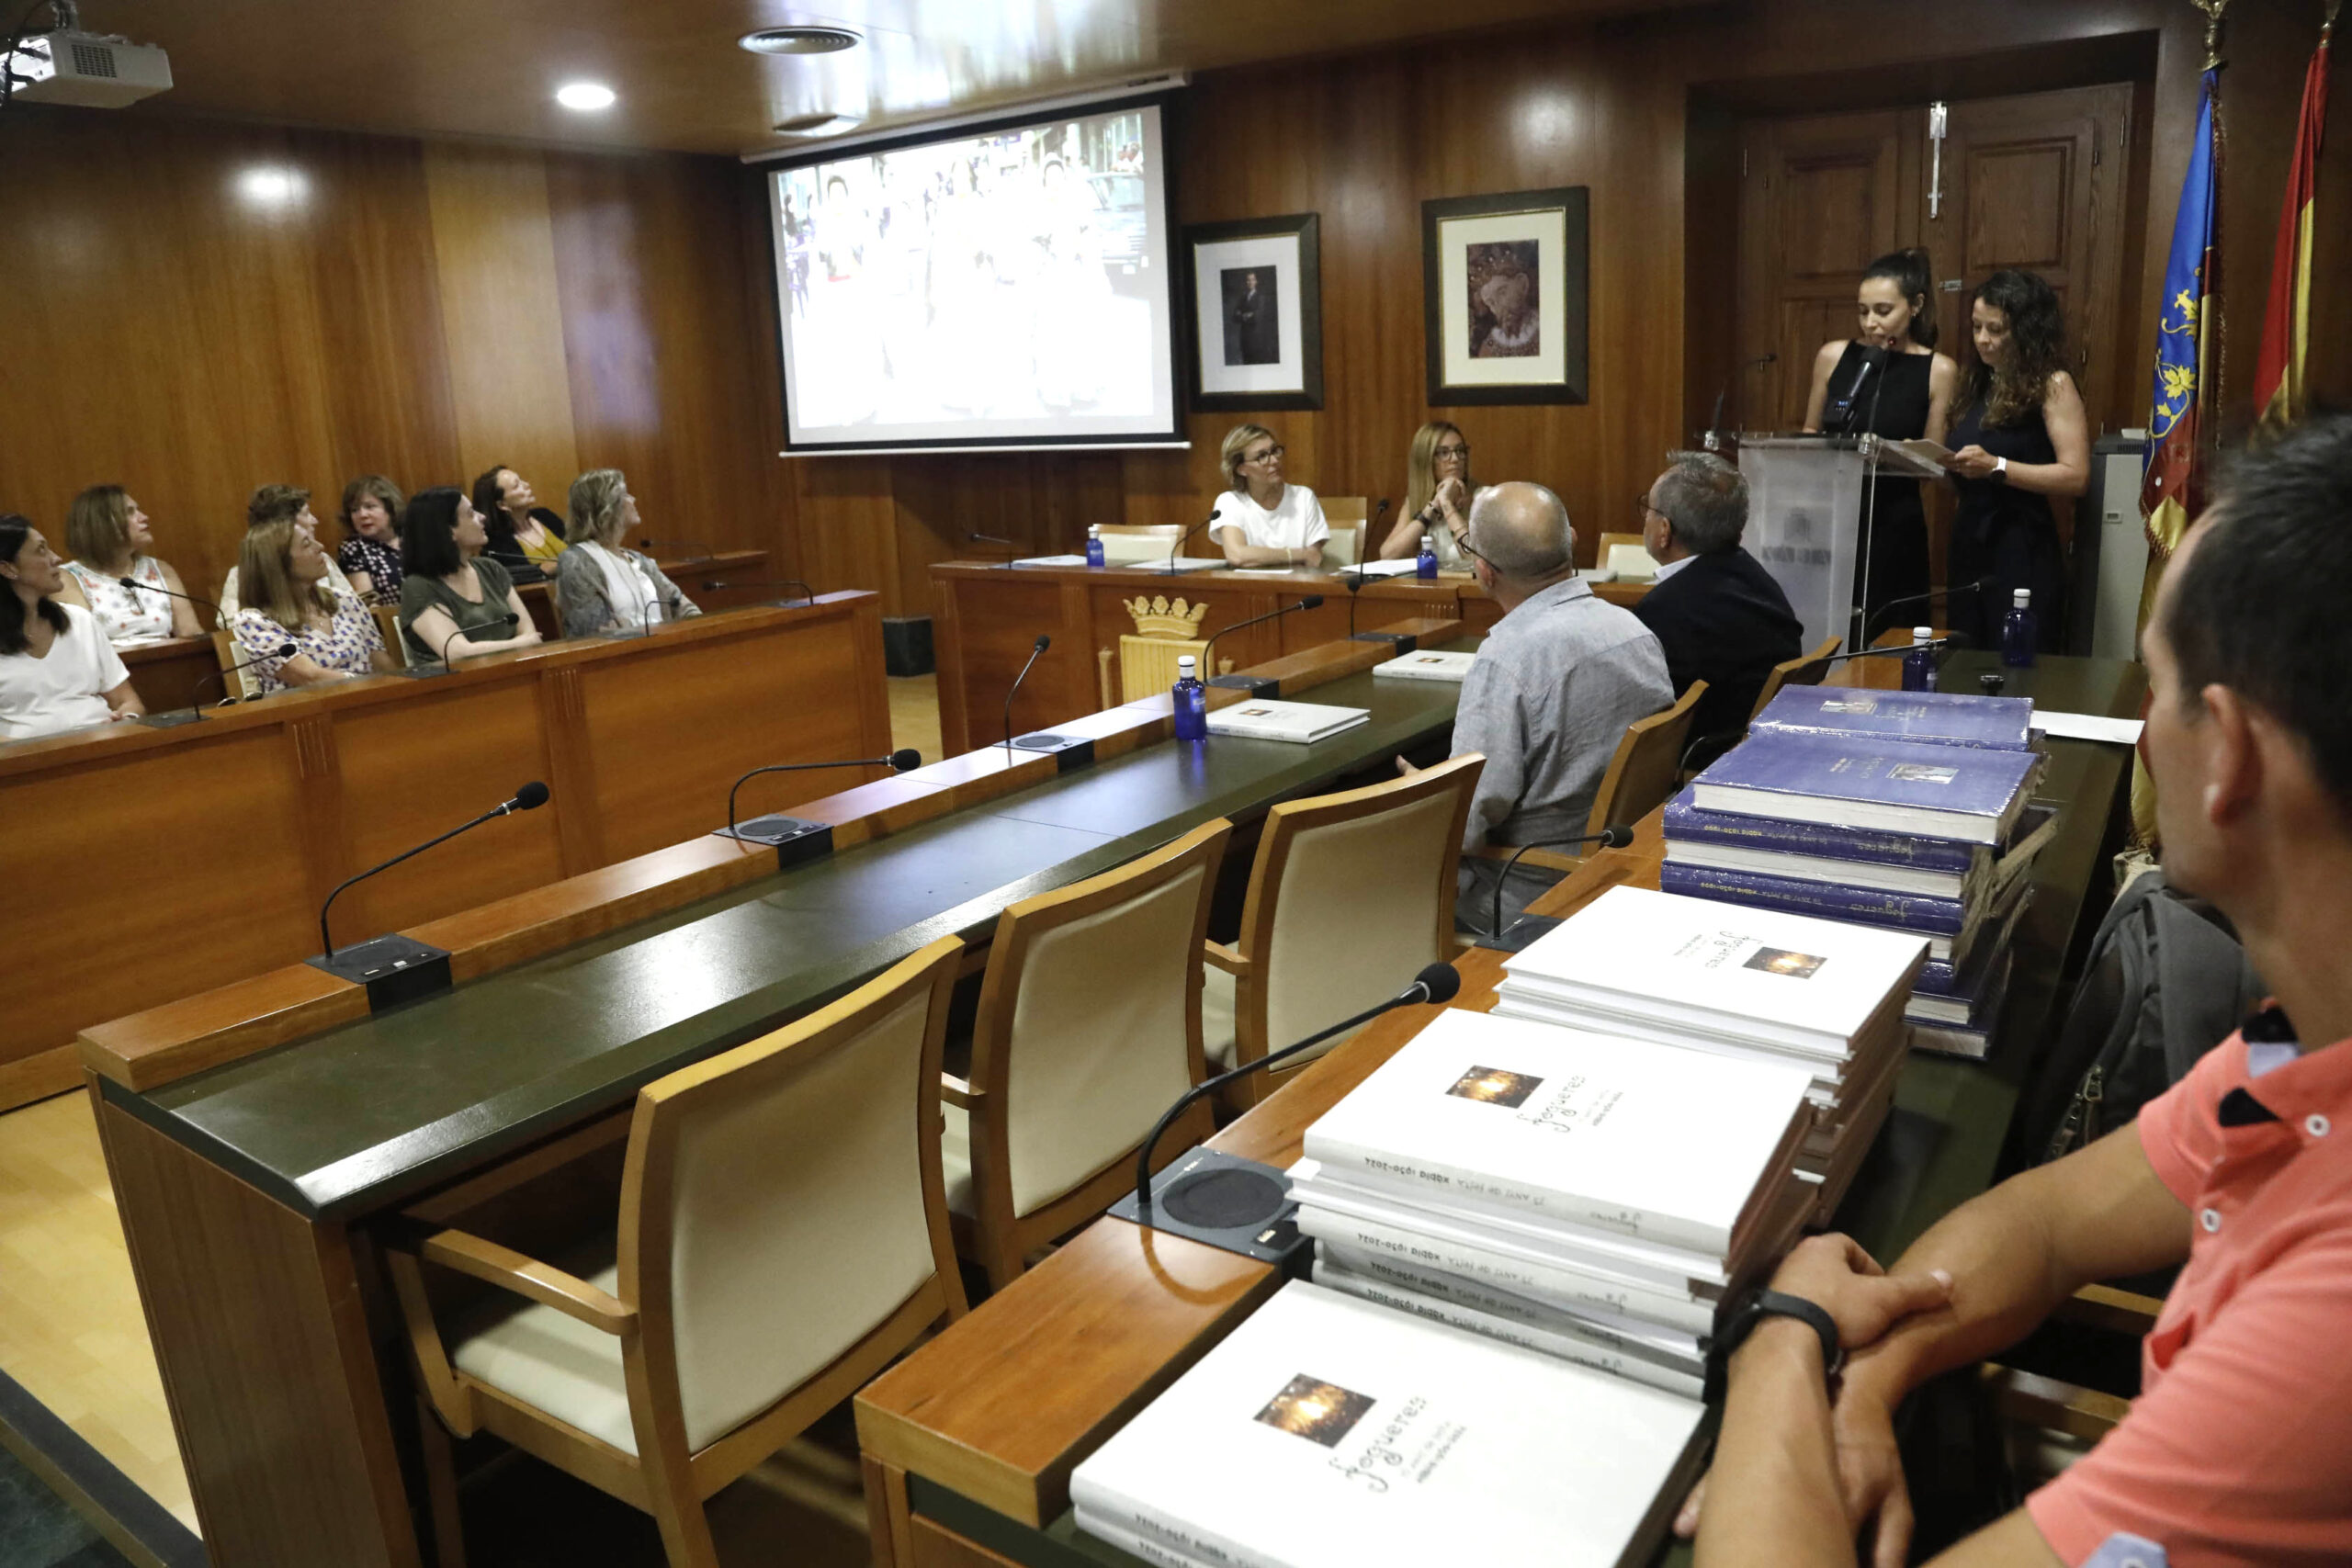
pixel 281 570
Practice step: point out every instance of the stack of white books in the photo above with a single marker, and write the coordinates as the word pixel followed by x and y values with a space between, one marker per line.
pixel 1330 1432
pixel 1740 984
pixel 1427 666
pixel 1265 719
pixel 1581 1194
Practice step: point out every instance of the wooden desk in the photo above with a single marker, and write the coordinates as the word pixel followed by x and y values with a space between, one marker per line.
pixel 166 675
pixel 187 857
pixel 259 1134
pixel 971 1442
pixel 989 617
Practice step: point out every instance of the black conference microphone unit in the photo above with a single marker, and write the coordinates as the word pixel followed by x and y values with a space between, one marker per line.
pixel 1872 625
pixel 1714 439
pixel 1257 686
pixel 1236 1204
pixel 1040 741
pixel 283 650
pixel 1837 416
pixel 396 968
pixel 1527 928
pixel 647 545
pixel 1182 537
pixel 808 594
pixel 793 838
pixel 1011 546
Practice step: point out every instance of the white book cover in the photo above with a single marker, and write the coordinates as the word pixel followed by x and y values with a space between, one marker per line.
pixel 1566 1346
pixel 1134 1543
pixel 1263 719
pixel 1822 977
pixel 1426 666
pixel 1589 1129
pixel 1701 1029
pixel 1397 567
pixel 1327 1432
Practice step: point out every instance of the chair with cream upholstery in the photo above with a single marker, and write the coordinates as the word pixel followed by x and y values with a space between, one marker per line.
pixel 239 682
pixel 782 1236
pixel 1088 1028
pixel 1351 893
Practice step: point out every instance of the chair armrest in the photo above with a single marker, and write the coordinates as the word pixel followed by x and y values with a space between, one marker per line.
pixel 1541 859
pixel 2119 1311
pixel 1224 958
pixel 957 1091
pixel 528 1277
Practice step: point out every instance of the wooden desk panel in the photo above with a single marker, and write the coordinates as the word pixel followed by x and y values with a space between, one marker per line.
pixel 167 674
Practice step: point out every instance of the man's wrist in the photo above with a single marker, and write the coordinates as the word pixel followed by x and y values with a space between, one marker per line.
pixel 1778 1340
pixel 1879 1372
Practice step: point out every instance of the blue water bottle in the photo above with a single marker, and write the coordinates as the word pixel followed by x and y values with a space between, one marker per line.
pixel 1093 545
pixel 2019 631
pixel 1192 701
pixel 1920 664
pixel 1425 564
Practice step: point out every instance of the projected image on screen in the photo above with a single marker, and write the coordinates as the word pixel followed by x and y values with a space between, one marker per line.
pixel 1000 290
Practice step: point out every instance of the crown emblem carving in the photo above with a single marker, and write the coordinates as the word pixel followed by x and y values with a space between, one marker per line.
pixel 1156 617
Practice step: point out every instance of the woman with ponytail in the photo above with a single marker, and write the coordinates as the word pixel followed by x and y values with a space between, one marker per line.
pixel 1904 391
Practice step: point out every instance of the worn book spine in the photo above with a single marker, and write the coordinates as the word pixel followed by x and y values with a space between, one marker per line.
pixel 1188 1543
pixel 1820 840
pixel 1134 1543
pixel 1829 900
pixel 1546 1280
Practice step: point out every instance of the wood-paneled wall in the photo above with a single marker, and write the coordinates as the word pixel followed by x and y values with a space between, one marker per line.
pixel 421 310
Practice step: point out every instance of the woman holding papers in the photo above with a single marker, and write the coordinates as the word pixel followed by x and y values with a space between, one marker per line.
pixel 1261 520
pixel 2021 438
pixel 1437 498
pixel 1889 381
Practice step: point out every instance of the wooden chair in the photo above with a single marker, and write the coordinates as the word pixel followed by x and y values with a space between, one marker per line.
pixel 1609 543
pixel 239 682
pixel 2044 1423
pixel 1645 772
pixel 1347 516
pixel 1088 1028
pixel 1351 893
pixel 1804 670
pixel 1143 543
pixel 782 1236
pixel 389 628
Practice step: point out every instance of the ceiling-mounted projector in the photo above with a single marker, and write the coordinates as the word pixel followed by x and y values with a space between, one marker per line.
pixel 68 66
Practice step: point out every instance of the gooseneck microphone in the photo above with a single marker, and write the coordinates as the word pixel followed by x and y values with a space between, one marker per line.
pixel 1043 643
pixel 1182 537
pixel 1716 420
pixel 648 545
pixel 283 650
pixel 219 618
pixel 808 594
pixel 1613 837
pixel 529 797
pixel 1306 601
pixel 1242 1194
pixel 904 760
pixel 1012 546
pixel 1363 540
pixel 1840 414
pixel 1874 625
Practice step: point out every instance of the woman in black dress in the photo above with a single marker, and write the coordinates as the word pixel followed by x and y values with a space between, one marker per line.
pixel 1909 398
pixel 2021 438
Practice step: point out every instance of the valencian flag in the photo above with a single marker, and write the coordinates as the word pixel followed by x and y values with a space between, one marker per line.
pixel 2172 476
pixel 2286 326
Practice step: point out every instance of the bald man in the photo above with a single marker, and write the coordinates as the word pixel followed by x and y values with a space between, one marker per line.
pixel 1558 680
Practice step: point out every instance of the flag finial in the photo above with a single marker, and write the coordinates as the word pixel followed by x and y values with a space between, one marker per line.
pixel 2212 9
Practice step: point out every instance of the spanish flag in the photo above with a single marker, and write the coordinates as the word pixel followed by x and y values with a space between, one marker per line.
pixel 2286 326
pixel 2172 482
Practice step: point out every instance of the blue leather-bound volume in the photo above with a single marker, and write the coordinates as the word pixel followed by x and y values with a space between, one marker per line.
pixel 1685 820
pixel 1949 718
pixel 1830 900
pixel 1969 794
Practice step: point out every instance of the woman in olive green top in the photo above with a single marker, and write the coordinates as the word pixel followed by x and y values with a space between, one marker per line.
pixel 454 600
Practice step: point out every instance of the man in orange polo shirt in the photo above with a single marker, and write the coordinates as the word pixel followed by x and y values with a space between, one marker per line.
pixel 2239 1449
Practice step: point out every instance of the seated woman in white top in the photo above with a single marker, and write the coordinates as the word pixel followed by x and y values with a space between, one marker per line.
pixel 57 669
pixel 1437 498
pixel 109 539
pixel 600 587
pixel 1260 521
pixel 288 603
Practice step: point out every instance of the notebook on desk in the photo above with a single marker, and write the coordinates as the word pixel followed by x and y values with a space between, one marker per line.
pixel 1298 722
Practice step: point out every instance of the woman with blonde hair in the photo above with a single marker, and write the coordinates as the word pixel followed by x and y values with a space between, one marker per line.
pixel 1437 498
pixel 282 570
pixel 109 536
pixel 1261 520
pixel 599 586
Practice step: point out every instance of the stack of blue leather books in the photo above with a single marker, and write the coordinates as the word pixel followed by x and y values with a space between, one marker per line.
pixel 1910 811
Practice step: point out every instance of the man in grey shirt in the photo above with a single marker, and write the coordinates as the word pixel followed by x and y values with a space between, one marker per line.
pixel 1557 682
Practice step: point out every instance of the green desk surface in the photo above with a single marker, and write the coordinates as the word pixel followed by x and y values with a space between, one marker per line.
pixel 350 1121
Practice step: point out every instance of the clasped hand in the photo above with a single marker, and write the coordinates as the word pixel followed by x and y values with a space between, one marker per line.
pixel 1972 462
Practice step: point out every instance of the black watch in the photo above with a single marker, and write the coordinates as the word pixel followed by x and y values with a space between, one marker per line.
pixel 1759 1304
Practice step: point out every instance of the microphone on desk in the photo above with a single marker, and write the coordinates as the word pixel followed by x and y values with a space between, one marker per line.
pixel 1613 837
pixel 1182 537
pixel 283 650
pixel 648 545
pixel 904 760
pixel 1872 625
pixel 1235 1203
pixel 1247 683
pixel 1013 547
pixel 808 594
pixel 1714 439
pixel 1030 742
pixel 394 967
pixel 219 617
pixel 1954 640
pixel 520 568
pixel 1839 415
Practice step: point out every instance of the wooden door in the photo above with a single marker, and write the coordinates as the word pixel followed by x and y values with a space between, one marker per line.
pixel 1822 197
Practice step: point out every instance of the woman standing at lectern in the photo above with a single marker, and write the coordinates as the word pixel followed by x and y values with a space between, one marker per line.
pixel 1900 388
pixel 1437 498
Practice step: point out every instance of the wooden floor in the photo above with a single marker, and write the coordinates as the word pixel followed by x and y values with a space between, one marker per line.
pixel 72 1332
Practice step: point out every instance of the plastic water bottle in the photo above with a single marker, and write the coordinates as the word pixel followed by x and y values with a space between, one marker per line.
pixel 1920 664
pixel 1093 544
pixel 2020 629
pixel 1192 701
pixel 1425 564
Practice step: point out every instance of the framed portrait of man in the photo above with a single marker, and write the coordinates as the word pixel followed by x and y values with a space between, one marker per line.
pixel 1257 298
pixel 1504 293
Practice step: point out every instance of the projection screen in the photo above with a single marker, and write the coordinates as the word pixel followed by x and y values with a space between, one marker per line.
pixel 1004 285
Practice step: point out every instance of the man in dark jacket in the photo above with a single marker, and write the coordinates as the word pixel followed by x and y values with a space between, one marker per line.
pixel 1719 616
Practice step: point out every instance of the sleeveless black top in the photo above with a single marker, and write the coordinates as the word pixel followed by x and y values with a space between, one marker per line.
pixel 1893 404
pixel 2007 534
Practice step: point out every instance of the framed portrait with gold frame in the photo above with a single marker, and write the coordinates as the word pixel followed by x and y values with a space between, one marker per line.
pixel 1504 289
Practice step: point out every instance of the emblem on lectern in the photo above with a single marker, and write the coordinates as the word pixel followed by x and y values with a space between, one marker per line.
pixel 1156 617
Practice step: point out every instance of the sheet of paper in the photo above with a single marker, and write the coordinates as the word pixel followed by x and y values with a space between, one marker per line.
pixel 1051 560
pixel 2087 727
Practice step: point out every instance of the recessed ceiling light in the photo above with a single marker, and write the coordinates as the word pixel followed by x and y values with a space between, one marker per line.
pixel 266 186
pixel 820 124
pixel 585 97
pixel 799 40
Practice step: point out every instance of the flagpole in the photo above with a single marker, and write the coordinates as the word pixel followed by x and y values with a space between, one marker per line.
pixel 2213 349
